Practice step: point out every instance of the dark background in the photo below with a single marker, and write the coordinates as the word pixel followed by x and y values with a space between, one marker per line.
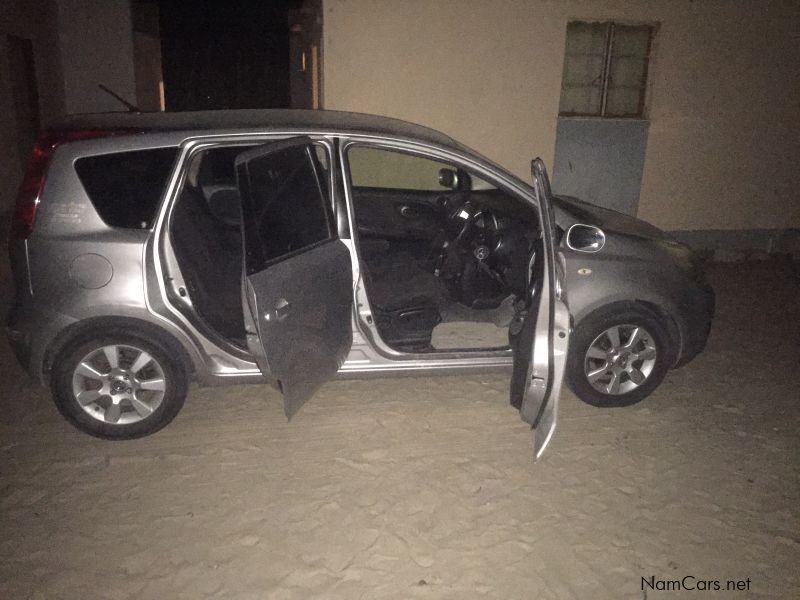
pixel 218 54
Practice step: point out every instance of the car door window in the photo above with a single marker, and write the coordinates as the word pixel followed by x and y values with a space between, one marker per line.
pixel 389 169
pixel 403 196
pixel 288 209
pixel 378 168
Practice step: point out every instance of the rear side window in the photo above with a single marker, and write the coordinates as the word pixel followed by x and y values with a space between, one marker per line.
pixel 126 187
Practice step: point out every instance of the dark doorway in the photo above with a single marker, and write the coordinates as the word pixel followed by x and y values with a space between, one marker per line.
pixel 218 54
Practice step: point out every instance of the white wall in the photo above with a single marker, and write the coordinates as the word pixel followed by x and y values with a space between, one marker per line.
pixel 723 144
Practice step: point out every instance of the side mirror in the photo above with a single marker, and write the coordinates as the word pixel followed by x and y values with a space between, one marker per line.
pixel 585 238
pixel 448 178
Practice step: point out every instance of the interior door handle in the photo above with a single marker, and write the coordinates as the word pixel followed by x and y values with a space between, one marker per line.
pixel 279 313
pixel 408 211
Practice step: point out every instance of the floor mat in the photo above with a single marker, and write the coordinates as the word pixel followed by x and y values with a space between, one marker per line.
pixel 500 316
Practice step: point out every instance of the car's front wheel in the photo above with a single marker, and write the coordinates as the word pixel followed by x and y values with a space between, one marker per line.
pixel 118 386
pixel 618 357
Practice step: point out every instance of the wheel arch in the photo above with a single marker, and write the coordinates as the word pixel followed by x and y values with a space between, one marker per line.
pixel 653 309
pixel 670 324
pixel 88 328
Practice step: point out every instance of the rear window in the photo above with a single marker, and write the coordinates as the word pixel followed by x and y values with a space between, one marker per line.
pixel 126 187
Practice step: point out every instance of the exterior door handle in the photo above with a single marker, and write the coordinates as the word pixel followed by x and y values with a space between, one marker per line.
pixel 279 313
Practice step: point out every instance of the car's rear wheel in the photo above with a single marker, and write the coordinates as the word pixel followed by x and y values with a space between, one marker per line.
pixel 118 386
pixel 618 357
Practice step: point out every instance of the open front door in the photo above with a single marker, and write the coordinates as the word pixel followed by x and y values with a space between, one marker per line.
pixel 540 330
pixel 298 281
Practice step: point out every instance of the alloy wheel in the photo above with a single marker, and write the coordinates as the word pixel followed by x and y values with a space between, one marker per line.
pixel 620 359
pixel 118 384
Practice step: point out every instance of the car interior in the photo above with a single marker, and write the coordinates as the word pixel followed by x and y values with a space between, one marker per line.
pixel 207 240
pixel 444 254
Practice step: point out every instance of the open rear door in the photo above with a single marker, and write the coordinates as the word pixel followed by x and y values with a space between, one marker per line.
pixel 540 330
pixel 298 282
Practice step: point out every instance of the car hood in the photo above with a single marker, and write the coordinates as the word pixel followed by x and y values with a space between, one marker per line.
pixel 569 210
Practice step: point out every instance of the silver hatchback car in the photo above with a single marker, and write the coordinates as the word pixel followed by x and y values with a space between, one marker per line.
pixel 292 247
pixel 280 246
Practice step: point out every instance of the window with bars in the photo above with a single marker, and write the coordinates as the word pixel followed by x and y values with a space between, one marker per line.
pixel 605 69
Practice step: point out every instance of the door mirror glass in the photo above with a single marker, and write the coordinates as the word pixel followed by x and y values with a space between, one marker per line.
pixel 585 238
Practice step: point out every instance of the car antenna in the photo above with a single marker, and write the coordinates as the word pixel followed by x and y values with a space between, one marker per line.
pixel 113 94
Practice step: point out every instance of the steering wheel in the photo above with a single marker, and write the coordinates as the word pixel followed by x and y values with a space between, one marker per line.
pixel 453 245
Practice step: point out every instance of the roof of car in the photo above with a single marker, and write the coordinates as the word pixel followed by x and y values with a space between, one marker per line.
pixel 320 120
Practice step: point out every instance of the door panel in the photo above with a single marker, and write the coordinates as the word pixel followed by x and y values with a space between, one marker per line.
pixel 540 331
pixel 395 214
pixel 302 306
pixel 298 284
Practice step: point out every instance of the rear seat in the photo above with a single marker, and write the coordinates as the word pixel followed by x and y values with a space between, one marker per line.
pixel 210 256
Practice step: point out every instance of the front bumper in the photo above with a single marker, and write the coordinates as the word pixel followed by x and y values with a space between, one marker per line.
pixel 697 313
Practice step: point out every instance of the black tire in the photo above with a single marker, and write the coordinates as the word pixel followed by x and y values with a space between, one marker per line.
pixel 589 330
pixel 62 379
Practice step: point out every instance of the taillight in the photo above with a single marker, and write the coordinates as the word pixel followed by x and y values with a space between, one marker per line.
pixel 30 189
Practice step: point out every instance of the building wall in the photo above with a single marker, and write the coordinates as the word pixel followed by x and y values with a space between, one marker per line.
pixel 96 42
pixel 723 105
pixel 77 44
pixel 35 21
pixel 600 161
